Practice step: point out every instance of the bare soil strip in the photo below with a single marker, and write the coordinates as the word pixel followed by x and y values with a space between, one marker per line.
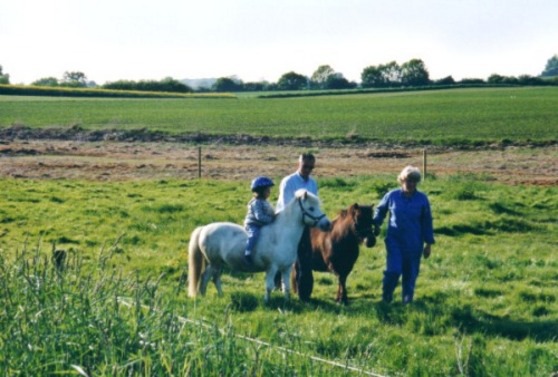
pixel 53 158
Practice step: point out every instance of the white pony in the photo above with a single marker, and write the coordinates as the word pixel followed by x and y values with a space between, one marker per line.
pixel 222 244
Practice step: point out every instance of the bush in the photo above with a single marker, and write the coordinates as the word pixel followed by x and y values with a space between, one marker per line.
pixel 166 85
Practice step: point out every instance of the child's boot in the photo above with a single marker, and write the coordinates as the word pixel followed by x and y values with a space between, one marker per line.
pixel 248 258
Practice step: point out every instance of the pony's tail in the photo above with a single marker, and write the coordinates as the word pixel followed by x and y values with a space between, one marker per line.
pixel 195 262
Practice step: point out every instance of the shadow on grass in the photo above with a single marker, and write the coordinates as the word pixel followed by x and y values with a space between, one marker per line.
pixel 465 318
pixel 249 302
pixel 468 320
pixel 474 322
pixel 500 225
pixel 295 305
pixel 499 208
pixel 457 230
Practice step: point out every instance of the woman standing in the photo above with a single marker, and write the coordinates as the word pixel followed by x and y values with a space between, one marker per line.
pixel 409 233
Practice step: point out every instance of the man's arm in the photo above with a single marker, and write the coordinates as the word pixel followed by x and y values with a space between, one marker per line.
pixel 286 194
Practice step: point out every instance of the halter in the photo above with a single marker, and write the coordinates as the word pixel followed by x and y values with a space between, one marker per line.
pixel 316 219
pixel 362 232
pixel 362 235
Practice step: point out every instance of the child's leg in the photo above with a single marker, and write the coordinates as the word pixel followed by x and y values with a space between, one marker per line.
pixel 253 233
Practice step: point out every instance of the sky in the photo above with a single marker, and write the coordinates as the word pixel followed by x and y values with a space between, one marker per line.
pixel 256 40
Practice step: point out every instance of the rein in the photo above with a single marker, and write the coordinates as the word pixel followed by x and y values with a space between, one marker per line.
pixel 305 213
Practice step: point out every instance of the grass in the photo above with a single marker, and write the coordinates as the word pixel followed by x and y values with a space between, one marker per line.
pixel 63 321
pixel 447 116
pixel 486 301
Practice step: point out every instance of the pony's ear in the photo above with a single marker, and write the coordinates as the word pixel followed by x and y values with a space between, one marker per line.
pixel 355 206
pixel 301 194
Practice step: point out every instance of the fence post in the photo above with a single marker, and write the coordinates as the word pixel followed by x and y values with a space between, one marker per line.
pixel 199 162
pixel 424 172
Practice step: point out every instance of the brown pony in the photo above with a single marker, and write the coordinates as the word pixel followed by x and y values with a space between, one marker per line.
pixel 337 249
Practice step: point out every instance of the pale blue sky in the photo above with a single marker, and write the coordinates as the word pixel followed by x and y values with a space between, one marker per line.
pixel 258 40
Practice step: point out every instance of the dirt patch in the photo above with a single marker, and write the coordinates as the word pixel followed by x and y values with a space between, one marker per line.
pixel 78 133
pixel 45 158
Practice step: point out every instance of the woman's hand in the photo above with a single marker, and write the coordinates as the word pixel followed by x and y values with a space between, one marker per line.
pixel 427 251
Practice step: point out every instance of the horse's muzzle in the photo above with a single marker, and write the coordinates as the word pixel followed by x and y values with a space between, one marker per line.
pixel 370 241
pixel 324 225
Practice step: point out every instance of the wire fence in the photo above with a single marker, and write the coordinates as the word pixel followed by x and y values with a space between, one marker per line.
pixel 127 302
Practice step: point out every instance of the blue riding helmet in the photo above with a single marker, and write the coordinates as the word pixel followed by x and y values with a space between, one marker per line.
pixel 261 182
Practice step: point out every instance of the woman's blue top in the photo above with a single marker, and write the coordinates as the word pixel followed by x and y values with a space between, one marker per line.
pixel 410 219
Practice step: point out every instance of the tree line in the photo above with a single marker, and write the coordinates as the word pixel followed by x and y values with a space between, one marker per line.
pixel 79 80
pixel 413 73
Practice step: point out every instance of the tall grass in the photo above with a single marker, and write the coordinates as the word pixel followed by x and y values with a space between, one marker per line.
pixel 58 319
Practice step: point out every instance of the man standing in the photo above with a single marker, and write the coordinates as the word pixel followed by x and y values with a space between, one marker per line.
pixel 289 185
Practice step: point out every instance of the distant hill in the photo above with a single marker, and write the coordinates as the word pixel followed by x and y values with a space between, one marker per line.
pixel 199 83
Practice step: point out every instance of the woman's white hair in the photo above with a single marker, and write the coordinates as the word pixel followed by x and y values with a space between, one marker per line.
pixel 409 173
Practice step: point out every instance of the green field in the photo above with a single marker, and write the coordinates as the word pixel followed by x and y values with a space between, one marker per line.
pixel 440 117
pixel 486 301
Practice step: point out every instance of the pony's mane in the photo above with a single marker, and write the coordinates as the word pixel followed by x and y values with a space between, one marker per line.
pixel 345 212
pixel 340 216
pixel 300 192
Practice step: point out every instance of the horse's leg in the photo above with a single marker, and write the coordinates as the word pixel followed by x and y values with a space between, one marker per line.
pixel 278 280
pixel 293 280
pixel 269 282
pixel 305 279
pixel 342 292
pixel 217 280
pixel 286 278
pixel 205 279
pixel 338 297
pixel 213 273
